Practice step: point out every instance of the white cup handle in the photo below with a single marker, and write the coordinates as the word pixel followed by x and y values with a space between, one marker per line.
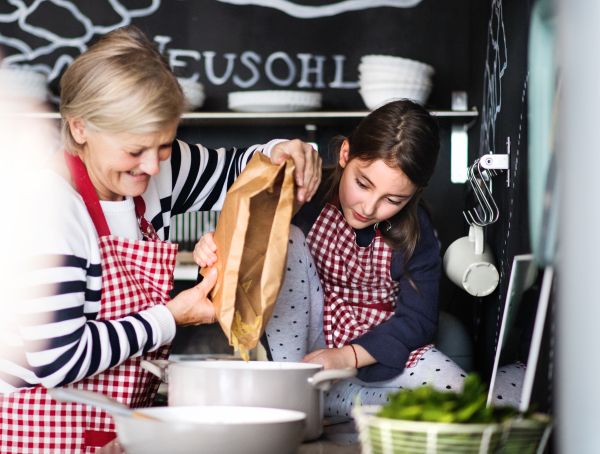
pixel 476 236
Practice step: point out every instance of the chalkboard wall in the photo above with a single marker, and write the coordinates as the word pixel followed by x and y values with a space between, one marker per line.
pixel 477 46
pixel 230 47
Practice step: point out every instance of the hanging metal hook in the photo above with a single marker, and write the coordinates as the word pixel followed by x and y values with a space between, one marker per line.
pixel 480 176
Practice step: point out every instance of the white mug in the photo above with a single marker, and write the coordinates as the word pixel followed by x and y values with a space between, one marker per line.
pixel 469 263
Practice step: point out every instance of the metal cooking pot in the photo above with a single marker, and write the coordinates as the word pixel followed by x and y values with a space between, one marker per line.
pixel 288 385
pixel 197 430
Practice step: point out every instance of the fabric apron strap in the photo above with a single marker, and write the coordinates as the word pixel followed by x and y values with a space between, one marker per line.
pixel 88 193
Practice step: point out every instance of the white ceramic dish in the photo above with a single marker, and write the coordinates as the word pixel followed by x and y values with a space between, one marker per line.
pixel 212 430
pixel 378 95
pixel 193 92
pixel 274 101
pixel 391 61
pixel 271 384
pixel 392 77
pixel 23 83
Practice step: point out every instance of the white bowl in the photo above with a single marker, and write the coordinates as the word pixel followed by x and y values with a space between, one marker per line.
pixel 274 101
pixel 410 72
pixel 212 430
pixel 193 92
pixel 391 61
pixel 392 77
pixel 377 95
pixel 23 84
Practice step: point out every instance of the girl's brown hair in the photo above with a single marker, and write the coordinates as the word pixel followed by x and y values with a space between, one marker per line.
pixel 120 84
pixel 406 136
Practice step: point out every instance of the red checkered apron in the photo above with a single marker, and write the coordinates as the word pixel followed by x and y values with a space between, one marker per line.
pixel 358 288
pixel 136 275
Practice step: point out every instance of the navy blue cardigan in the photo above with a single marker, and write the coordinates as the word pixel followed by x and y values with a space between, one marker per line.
pixel 414 322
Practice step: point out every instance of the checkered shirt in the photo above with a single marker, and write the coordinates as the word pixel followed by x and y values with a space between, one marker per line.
pixel 136 275
pixel 358 289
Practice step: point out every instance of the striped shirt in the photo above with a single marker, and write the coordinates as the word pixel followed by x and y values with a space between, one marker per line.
pixel 50 335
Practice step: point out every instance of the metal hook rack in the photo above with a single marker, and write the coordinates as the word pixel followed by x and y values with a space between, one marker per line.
pixel 480 176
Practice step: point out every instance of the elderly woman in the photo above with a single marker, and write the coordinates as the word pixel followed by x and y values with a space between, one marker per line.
pixel 100 269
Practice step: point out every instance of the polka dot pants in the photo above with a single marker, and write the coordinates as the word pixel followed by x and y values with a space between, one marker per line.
pixel 509 385
pixel 296 325
pixel 434 369
pixel 296 329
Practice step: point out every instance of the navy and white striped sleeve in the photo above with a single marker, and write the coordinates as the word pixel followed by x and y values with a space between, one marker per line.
pixel 56 338
pixel 61 340
pixel 201 176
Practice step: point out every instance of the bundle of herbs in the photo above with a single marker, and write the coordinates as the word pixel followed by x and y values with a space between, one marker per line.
pixel 427 404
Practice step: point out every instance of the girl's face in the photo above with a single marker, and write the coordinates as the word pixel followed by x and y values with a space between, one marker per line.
pixel 371 192
pixel 121 164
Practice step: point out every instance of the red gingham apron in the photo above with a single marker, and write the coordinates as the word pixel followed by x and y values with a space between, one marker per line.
pixel 136 275
pixel 358 289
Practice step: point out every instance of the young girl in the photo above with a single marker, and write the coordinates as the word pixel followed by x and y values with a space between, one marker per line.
pixel 378 261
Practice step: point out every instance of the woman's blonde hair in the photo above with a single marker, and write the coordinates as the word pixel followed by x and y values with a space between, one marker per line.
pixel 121 83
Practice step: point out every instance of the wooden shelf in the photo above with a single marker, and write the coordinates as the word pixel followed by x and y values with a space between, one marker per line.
pixel 240 118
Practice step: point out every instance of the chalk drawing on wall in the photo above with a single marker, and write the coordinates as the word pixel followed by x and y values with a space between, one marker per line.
pixel 495 65
pixel 332 9
pixel 26 55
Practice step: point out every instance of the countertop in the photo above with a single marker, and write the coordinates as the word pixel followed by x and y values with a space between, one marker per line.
pixel 336 439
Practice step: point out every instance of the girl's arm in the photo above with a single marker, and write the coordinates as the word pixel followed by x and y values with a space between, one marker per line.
pixel 414 322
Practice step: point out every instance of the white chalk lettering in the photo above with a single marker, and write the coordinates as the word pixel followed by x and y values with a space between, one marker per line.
pixel 175 53
pixel 338 80
pixel 209 56
pixel 307 70
pixel 291 68
pixel 250 60
pixel 162 42
pixel 280 68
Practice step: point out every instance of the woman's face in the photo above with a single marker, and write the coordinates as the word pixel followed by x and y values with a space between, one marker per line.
pixel 121 164
pixel 371 192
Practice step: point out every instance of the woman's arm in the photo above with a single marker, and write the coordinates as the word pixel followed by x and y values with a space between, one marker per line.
pixel 54 336
pixel 202 176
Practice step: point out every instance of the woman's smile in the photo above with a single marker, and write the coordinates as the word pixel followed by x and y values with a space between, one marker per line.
pixel 121 164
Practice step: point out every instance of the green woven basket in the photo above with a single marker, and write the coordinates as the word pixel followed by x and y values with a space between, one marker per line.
pixel 392 436
pixel 526 436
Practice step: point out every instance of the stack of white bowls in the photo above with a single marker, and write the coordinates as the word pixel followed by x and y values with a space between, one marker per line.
pixel 193 92
pixel 383 78
pixel 22 83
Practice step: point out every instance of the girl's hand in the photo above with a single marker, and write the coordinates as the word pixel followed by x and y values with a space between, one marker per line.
pixel 332 358
pixel 192 306
pixel 308 165
pixel 205 251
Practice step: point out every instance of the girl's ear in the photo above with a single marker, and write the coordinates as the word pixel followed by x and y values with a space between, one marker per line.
pixel 344 152
pixel 78 130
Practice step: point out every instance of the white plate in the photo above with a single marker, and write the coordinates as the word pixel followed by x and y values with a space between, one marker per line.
pixel 274 101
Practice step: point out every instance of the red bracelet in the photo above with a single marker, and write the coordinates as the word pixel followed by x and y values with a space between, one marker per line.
pixel 355 357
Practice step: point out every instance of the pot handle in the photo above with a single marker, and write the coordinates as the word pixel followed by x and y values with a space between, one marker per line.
pixel 324 379
pixel 157 367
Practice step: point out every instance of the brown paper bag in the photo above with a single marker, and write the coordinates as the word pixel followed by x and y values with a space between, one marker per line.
pixel 252 237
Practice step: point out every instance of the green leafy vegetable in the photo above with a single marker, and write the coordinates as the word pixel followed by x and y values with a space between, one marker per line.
pixel 427 404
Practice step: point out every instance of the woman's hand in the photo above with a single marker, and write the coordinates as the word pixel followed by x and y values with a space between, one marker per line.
pixel 192 306
pixel 332 358
pixel 308 165
pixel 205 251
